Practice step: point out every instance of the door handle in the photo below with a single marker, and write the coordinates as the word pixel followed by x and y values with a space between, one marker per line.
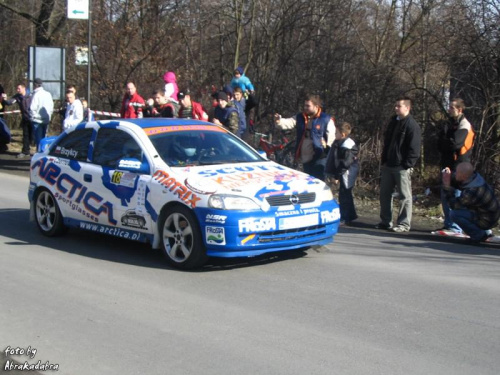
pixel 87 177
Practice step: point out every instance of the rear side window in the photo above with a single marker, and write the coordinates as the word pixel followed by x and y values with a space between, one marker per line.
pixel 114 144
pixel 74 146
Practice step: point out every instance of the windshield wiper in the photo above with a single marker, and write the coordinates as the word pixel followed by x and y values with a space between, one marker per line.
pixel 212 162
pixel 229 161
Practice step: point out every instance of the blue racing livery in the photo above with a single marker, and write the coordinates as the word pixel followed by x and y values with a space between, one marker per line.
pixel 109 230
pixel 124 193
pixel 149 208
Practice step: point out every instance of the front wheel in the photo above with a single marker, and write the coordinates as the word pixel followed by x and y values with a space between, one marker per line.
pixel 47 214
pixel 182 243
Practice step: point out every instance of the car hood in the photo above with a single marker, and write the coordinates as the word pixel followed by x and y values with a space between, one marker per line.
pixel 254 180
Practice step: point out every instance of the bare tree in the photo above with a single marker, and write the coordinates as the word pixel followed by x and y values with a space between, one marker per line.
pixel 359 55
pixel 48 22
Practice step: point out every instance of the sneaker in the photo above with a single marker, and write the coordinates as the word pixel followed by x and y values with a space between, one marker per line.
pixel 383 226
pixel 21 155
pixel 450 233
pixel 400 229
pixel 487 236
pixel 450 230
pixel 454 227
pixel 342 223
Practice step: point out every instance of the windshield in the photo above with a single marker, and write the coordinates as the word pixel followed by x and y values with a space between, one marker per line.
pixel 200 145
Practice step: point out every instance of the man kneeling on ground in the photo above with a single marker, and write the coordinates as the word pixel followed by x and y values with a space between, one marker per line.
pixel 475 209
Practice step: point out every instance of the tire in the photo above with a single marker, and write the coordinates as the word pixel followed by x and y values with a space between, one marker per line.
pixel 47 214
pixel 181 240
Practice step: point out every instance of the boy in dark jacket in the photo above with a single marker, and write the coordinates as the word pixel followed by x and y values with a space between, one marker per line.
pixel 342 165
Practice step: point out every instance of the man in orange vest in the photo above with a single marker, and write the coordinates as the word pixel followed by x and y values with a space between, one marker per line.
pixel 455 145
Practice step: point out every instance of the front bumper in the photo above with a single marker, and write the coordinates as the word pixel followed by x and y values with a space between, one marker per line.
pixel 251 233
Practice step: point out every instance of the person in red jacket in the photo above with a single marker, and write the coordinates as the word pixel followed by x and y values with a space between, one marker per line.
pixel 189 108
pixel 132 103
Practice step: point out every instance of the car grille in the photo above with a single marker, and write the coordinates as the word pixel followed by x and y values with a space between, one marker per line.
pixel 292 234
pixel 286 200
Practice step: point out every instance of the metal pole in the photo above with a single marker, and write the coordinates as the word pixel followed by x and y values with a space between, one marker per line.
pixel 89 53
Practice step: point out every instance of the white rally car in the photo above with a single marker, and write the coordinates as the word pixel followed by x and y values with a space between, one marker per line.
pixel 188 187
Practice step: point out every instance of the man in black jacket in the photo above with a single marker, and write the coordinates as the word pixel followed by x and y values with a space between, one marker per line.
pixel 22 99
pixel 399 155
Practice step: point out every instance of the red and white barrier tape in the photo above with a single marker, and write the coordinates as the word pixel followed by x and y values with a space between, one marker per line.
pixel 101 113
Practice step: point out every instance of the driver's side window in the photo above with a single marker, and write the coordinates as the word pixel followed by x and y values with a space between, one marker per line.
pixel 112 145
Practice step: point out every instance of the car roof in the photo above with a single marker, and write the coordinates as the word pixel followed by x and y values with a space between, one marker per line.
pixel 157 122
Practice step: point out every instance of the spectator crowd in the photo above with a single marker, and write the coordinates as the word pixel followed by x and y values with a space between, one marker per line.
pixel 326 150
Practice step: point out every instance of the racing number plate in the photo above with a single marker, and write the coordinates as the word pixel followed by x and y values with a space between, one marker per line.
pixel 298 221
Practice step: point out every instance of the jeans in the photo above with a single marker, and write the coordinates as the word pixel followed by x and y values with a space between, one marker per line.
pixel 27 135
pixel 39 131
pixel 316 168
pixel 401 178
pixel 346 202
pixel 465 219
pixel 448 223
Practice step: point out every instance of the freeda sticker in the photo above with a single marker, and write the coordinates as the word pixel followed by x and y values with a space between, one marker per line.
pixel 215 235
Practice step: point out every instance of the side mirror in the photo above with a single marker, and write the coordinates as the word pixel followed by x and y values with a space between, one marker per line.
pixel 263 154
pixel 133 165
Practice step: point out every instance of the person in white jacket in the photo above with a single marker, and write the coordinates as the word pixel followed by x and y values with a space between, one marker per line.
pixel 41 109
pixel 74 110
pixel 315 134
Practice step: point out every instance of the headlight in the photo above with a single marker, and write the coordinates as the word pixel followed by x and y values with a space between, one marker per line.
pixel 326 194
pixel 231 202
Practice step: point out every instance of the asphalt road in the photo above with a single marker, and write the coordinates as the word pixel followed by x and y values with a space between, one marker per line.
pixel 371 303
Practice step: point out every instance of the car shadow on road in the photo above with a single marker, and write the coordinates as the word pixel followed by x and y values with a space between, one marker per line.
pixel 226 264
pixel 448 244
pixel 9 163
pixel 21 231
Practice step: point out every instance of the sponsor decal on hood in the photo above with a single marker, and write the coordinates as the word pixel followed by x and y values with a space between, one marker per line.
pixel 246 177
pixel 243 179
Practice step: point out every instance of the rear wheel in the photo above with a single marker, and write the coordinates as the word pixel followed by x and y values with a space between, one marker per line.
pixel 182 243
pixel 47 214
